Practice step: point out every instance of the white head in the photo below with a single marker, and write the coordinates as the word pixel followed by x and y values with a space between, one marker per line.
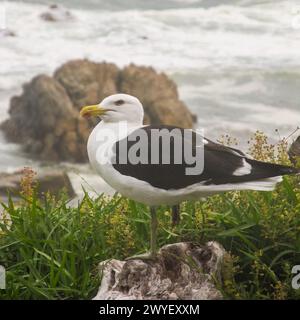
pixel 116 108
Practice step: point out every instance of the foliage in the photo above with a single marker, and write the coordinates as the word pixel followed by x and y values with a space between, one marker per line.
pixel 51 250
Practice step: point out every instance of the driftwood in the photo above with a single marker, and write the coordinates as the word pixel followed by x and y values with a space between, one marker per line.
pixel 181 271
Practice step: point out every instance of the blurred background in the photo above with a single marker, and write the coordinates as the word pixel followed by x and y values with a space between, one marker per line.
pixel 236 63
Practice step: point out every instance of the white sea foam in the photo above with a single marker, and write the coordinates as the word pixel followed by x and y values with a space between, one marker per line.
pixel 236 63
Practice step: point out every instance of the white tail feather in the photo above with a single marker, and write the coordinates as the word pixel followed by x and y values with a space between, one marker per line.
pixel 267 184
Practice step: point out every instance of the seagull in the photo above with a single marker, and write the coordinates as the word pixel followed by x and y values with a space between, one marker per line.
pixel 120 151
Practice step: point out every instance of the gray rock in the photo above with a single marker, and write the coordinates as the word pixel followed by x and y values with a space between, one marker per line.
pixel 88 82
pixel 53 181
pixel 182 271
pixel 158 94
pixel 45 118
pixel 56 13
pixel 7 33
pixel 294 151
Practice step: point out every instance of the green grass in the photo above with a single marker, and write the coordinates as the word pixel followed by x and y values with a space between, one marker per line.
pixel 52 251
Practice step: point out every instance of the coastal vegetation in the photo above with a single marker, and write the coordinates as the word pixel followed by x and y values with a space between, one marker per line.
pixel 51 250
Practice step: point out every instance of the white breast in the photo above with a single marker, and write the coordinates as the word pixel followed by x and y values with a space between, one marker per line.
pixel 101 142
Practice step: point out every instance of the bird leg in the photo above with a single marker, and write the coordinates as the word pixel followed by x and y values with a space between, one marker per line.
pixel 153 243
pixel 153 239
pixel 175 215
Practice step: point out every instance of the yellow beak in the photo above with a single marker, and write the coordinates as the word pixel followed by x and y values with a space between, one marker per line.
pixel 92 111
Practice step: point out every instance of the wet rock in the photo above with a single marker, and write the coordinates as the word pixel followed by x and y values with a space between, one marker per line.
pixel 45 118
pixel 53 181
pixel 88 82
pixel 158 94
pixel 56 13
pixel 7 33
pixel 183 271
pixel 294 151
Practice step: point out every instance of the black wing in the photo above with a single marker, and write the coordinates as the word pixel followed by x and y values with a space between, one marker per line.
pixel 220 163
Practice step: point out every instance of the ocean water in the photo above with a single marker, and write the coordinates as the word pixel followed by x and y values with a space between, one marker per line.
pixel 236 63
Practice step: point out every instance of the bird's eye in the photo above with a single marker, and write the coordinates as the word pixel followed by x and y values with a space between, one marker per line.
pixel 119 102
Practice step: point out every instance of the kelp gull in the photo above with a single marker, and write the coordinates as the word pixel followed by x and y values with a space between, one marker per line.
pixel 155 184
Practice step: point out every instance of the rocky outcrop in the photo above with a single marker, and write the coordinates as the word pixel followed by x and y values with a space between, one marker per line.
pixel 158 94
pixel 52 181
pixel 56 13
pixel 45 118
pixel 182 271
pixel 294 151
pixel 7 33
pixel 88 82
